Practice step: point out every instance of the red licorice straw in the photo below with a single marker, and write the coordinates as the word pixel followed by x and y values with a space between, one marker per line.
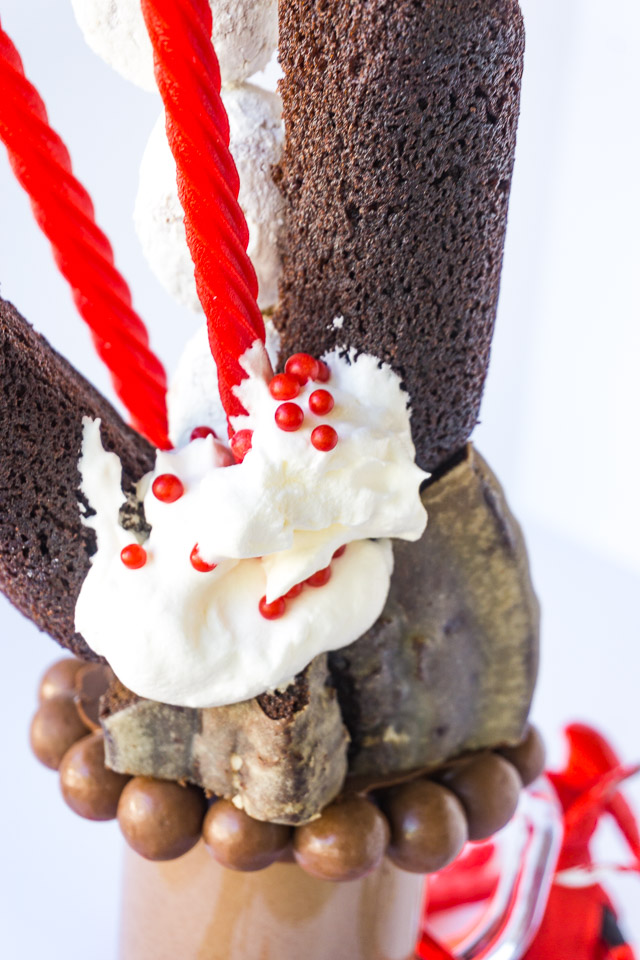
pixel 188 77
pixel 64 212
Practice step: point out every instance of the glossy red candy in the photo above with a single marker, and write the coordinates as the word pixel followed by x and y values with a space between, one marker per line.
pixel 324 438
pixel 199 564
pixel 303 367
pixel 272 611
pixel 321 402
pixel 320 577
pixel 324 374
pixel 284 387
pixel 199 432
pixel 167 487
pixel 294 592
pixel 289 417
pixel 133 556
pixel 240 443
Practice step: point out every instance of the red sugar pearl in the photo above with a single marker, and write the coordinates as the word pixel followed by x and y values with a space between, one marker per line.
pixel 294 592
pixel 289 417
pixel 321 402
pixel 272 611
pixel 303 367
pixel 199 564
pixel 133 556
pixel 324 438
pixel 241 444
pixel 198 432
pixel 340 551
pixel 324 374
pixel 167 487
pixel 284 387
pixel 320 578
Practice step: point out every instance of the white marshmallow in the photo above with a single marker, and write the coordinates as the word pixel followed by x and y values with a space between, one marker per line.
pixel 256 135
pixel 245 34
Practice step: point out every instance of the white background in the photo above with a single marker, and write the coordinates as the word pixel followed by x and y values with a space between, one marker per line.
pixel 559 419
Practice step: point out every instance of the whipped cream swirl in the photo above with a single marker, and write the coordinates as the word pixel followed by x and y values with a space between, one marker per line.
pixel 198 639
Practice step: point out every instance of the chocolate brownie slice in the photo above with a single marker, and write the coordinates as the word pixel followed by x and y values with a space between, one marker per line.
pixel 400 123
pixel 44 547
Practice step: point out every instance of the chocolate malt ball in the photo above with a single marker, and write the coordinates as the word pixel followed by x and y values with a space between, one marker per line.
pixel 527 757
pixel 346 842
pixel 239 842
pixel 55 727
pixel 92 682
pixel 160 819
pixel 59 678
pixel 488 788
pixel 428 826
pixel 88 787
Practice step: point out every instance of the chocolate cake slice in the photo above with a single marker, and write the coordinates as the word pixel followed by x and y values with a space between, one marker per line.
pixel 400 123
pixel 44 547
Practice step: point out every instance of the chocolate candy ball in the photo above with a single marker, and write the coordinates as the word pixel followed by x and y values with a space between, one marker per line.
pixel 239 842
pixel 160 819
pixel 345 843
pixel 488 788
pixel 59 678
pixel 428 826
pixel 527 757
pixel 55 727
pixel 92 681
pixel 88 787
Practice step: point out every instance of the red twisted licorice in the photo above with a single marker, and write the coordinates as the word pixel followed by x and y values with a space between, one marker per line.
pixel 64 212
pixel 188 77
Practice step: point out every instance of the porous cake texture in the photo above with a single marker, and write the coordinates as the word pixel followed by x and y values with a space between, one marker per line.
pixel 400 121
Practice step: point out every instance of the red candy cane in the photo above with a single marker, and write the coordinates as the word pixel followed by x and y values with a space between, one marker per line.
pixel 64 211
pixel 188 78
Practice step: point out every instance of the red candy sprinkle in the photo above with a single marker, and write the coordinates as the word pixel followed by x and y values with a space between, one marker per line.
pixel 133 556
pixel 240 443
pixel 324 438
pixel 289 417
pixel 321 402
pixel 303 367
pixel 167 487
pixel 324 373
pixel 198 432
pixel 340 551
pixel 199 564
pixel 320 578
pixel 272 611
pixel 284 387
pixel 294 592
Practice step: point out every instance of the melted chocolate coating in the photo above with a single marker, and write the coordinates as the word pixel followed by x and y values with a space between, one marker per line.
pixel 59 678
pixel 346 842
pixel 88 787
pixel 239 842
pixel 428 826
pixel 55 727
pixel 488 788
pixel 528 757
pixel 159 819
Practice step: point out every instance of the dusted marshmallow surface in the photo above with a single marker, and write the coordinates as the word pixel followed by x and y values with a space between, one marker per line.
pixel 256 135
pixel 245 34
pixel 180 636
